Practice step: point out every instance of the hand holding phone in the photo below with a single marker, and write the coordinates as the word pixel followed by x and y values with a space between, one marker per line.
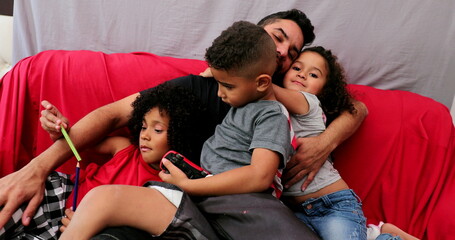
pixel 191 170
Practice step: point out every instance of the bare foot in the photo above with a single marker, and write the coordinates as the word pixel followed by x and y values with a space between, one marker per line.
pixel 394 230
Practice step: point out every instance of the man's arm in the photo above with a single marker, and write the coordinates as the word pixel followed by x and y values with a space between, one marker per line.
pixel 313 151
pixel 27 184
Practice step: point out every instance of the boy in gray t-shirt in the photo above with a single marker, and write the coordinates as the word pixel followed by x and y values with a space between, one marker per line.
pixel 253 141
pixel 257 125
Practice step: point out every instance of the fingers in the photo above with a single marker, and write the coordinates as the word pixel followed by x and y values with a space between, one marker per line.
pixel 294 167
pixel 48 121
pixel 292 163
pixel 295 178
pixel 66 219
pixel 168 164
pixel 31 209
pixel 298 157
pixel 308 180
pixel 46 104
pixel 6 212
pixel 11 198
pixel 206 73
pixel 165 170
pixel 69 213
pixel 174 175
pixel 165 174
pixel 50 109
pixel 51 120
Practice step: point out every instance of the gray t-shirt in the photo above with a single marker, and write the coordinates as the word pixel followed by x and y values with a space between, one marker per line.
pixel 261 124
pixel 307 125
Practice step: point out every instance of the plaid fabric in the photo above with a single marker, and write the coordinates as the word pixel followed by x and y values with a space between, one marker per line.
pixel 47 220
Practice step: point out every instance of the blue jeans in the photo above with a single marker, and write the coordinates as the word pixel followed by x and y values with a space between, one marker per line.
pixel 386 236
pixel 335 216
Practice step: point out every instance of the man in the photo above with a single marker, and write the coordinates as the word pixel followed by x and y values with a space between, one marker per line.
pixel 290 30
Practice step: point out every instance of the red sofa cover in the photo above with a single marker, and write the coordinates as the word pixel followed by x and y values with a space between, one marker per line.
pixel 401 161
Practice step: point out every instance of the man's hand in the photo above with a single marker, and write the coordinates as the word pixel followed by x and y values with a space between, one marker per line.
pixel 313 151
pixel 309 158
pixel 51 120
pixel 206 73
pixel 67 219
pixel 18 188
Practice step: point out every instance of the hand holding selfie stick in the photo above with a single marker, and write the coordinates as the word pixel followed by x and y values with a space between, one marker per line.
pixel 76 154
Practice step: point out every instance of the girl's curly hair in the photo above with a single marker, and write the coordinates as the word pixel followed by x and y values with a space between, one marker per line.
pixel 334 96
pixel 185 118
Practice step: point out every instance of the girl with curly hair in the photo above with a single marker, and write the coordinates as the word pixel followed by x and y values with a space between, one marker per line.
pixel 163 118
pixel 315 93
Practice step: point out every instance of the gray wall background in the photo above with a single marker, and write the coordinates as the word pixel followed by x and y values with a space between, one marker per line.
pixel 406 45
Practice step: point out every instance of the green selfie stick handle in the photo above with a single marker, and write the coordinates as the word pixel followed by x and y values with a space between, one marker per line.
pixel 70 143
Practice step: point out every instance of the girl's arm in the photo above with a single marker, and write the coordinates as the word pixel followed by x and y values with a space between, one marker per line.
pixel 294 101
pixel 111 145
pixel 256 177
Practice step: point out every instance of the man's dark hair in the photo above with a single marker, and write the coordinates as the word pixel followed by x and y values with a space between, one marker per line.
pixel 244 48
pixel 185 117
pixel 298 17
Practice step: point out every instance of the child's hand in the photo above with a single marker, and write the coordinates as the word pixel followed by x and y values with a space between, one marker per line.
pixel 67 219
pixel 175 175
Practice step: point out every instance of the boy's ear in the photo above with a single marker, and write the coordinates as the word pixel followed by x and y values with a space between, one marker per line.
pixel 263 82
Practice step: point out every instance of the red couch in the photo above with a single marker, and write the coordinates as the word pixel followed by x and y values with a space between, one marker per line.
pixel 401 162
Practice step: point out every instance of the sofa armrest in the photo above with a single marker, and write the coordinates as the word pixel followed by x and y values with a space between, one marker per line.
pixel 401 160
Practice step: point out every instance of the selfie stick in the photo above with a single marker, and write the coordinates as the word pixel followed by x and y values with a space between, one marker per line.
pixel 76 154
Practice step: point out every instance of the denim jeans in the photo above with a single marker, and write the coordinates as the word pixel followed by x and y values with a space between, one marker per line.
pixel 386 236
pixel 335 216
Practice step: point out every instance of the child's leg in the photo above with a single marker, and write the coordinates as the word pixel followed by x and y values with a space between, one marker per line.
pixel 118 205
pixel 395 231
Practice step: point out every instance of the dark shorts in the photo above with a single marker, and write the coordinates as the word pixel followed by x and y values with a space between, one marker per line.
pixel 238 216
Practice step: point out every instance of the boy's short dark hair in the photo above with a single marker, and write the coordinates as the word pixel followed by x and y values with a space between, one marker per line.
pixel 243 49
pixel 298 17
pixel 185 117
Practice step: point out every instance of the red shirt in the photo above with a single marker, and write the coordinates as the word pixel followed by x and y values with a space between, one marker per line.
pixel 126 167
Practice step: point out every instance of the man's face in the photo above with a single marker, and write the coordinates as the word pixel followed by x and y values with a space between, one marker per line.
pixel 288 38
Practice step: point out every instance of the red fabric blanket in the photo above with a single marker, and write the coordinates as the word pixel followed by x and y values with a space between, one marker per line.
pixel 401 162
pixel 76 82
